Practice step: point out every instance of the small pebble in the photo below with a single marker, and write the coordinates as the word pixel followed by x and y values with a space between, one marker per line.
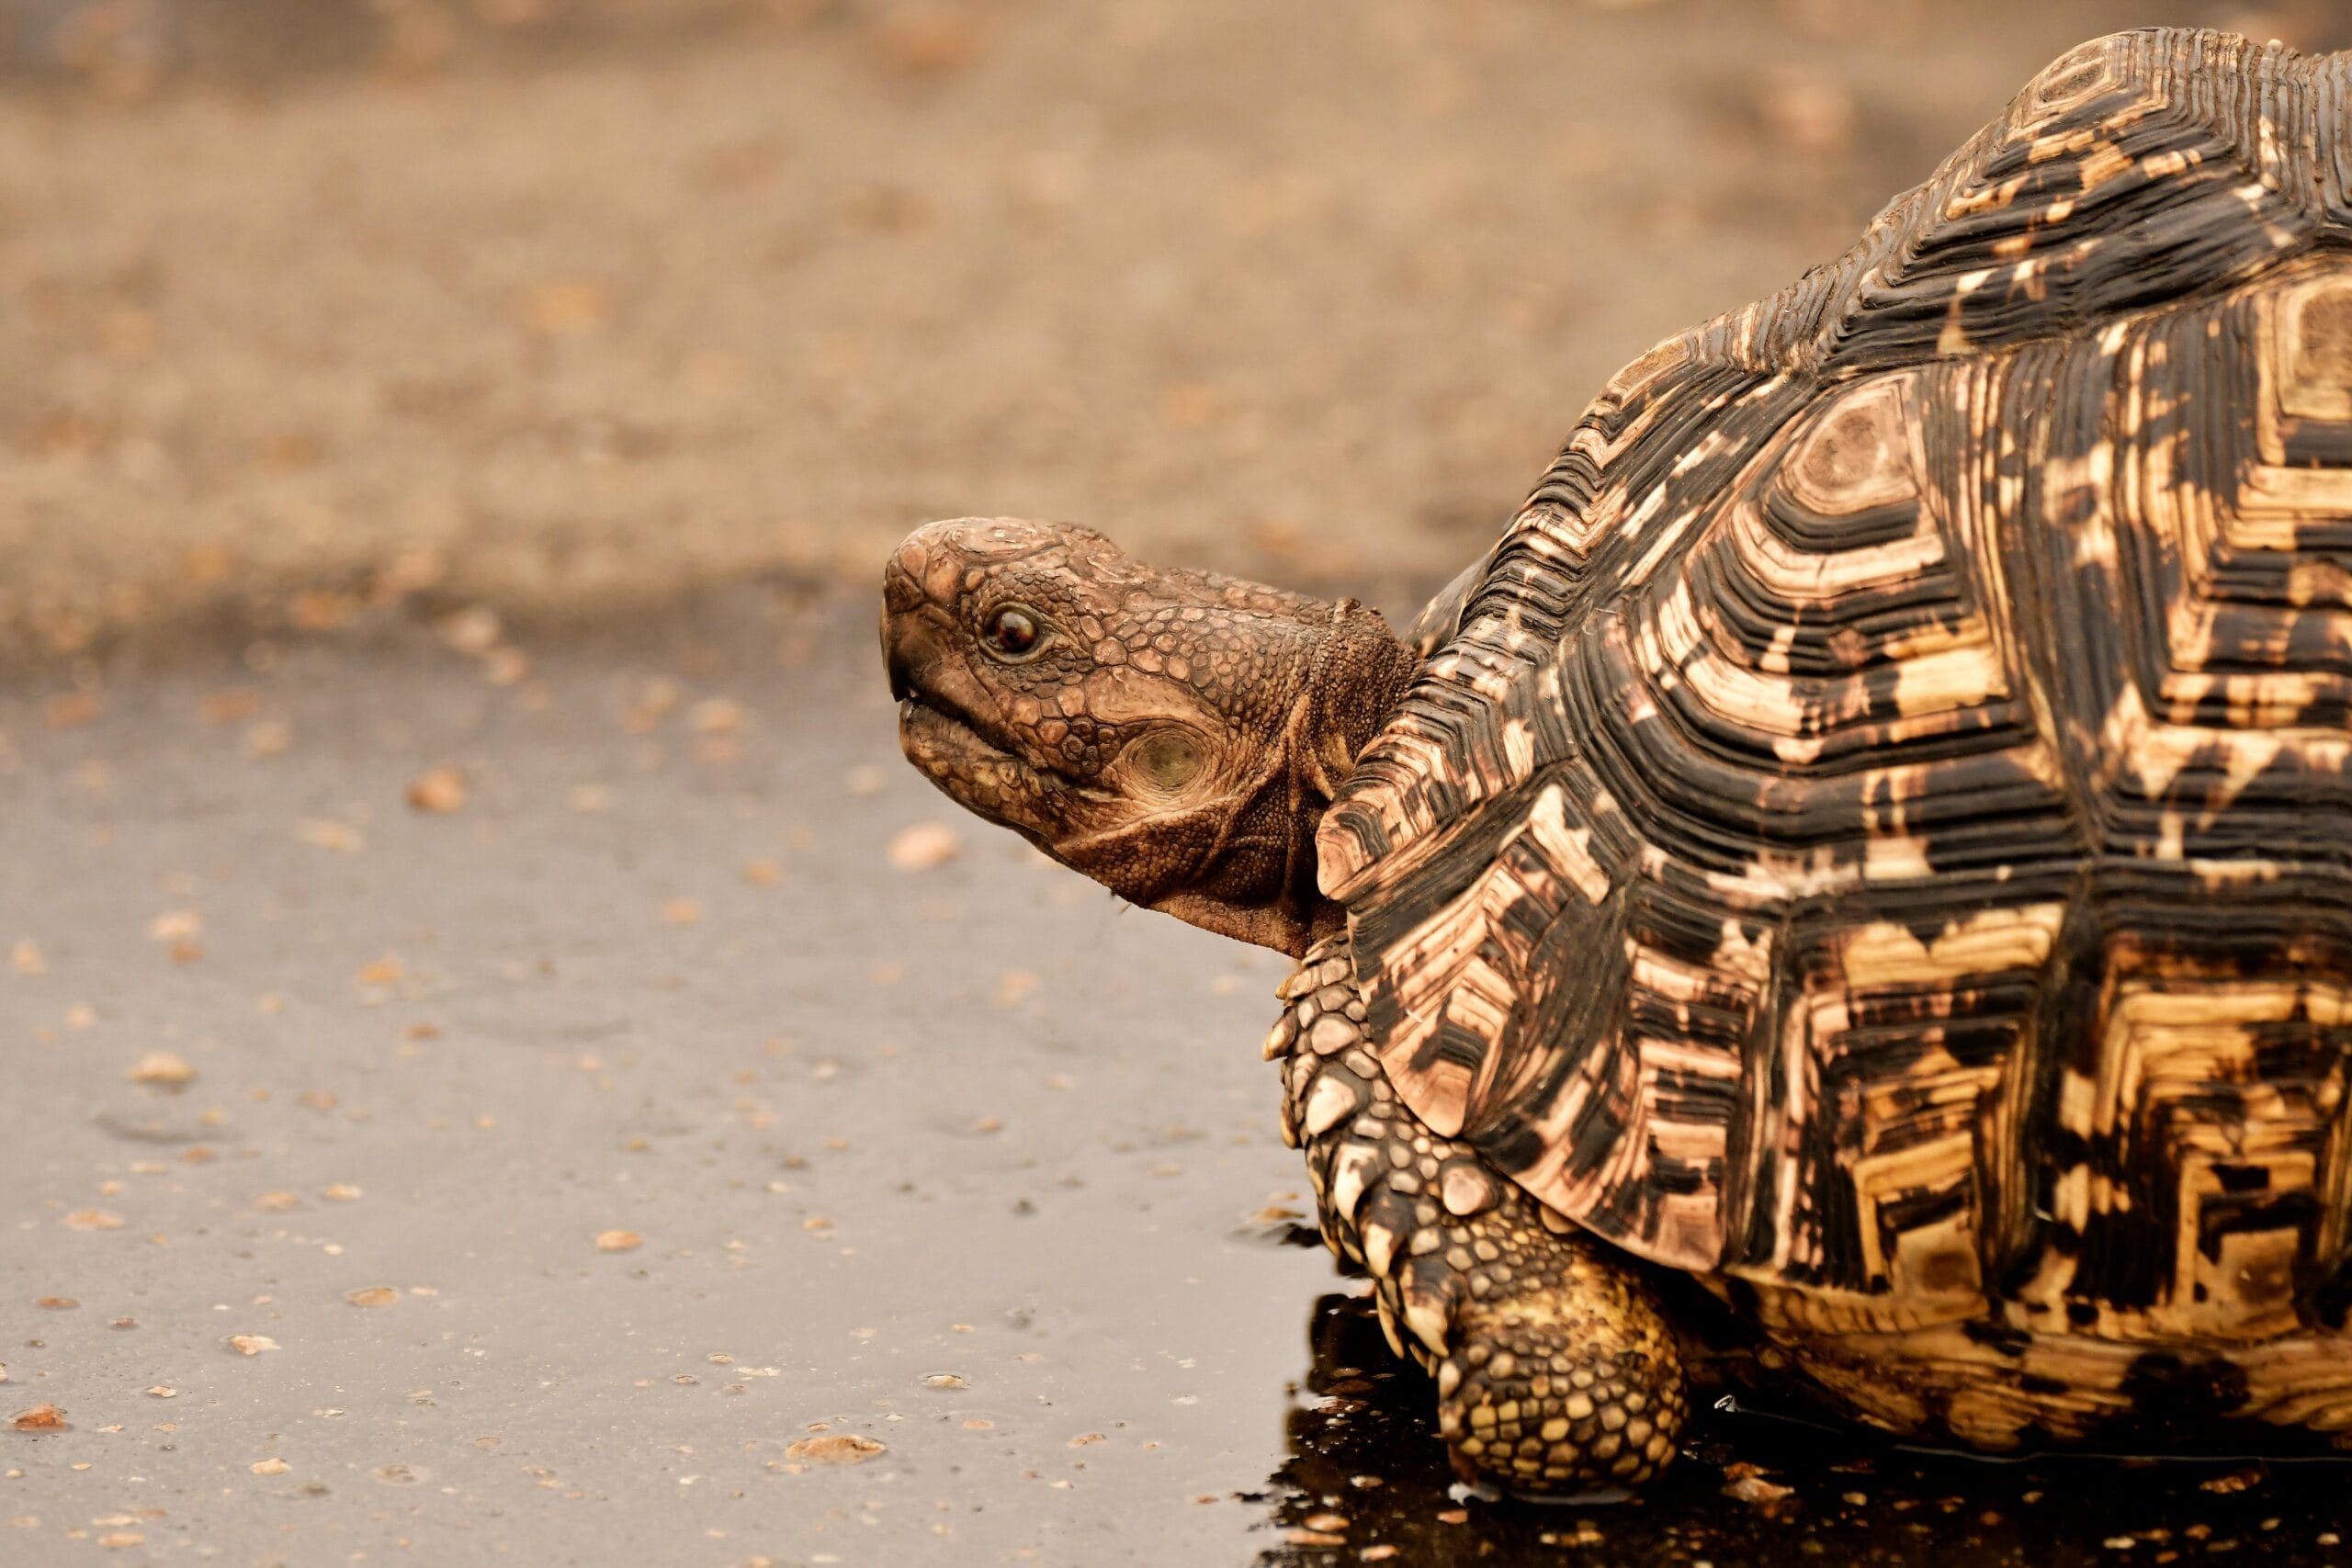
pixel 167 1068
pixel 836 1449
pixel 924 846
pixel 438 790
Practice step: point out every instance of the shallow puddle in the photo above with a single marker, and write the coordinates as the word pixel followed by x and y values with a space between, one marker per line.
pixel 1365 1473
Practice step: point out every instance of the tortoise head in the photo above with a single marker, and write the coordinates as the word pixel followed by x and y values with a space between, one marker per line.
pixel 1171 734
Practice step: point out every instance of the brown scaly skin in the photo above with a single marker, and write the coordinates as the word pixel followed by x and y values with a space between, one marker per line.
pixel 1177 736
pixel 1556 1373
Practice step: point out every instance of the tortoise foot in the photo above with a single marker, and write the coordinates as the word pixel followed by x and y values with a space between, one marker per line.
pixel 1567 1383
pixel 1557 1375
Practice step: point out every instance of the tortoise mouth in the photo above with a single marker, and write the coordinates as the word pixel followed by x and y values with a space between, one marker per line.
pixel 996 784
pixel 954 728
pixel 962 755
pixel 938 727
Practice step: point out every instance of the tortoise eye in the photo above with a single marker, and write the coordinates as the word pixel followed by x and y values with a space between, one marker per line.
pixel 1013 633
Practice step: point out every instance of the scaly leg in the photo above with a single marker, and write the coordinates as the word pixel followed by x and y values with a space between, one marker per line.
pixel 1556 1371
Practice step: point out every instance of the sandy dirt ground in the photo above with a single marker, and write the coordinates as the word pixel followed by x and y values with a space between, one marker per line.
pixel 568 306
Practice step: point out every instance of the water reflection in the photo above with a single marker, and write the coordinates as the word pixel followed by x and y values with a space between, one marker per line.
pixel 1366 1481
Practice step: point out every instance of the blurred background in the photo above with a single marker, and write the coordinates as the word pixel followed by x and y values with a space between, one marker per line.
pixel 314 310
pixel 485 1011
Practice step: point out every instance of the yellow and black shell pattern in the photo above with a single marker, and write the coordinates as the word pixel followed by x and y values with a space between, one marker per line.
pixel 1876 830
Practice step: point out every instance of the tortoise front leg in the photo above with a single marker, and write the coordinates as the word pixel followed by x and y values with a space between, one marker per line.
pixel 1556 1371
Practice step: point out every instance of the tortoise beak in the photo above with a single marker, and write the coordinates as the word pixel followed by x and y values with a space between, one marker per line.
pixel 905 596
pixel 906 653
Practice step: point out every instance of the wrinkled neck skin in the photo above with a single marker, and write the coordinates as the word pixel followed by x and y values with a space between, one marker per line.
pixel 1174 735
pixel 1338 707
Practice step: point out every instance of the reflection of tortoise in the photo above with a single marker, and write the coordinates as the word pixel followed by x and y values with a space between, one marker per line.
pixel 1873 834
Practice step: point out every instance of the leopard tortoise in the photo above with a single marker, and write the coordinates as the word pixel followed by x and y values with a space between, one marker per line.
pixel 1873 837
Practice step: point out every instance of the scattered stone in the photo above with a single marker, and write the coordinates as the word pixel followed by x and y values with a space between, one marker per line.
pixel 473 631
pixel 618 1241
pixel 250 1344
pixel 175 925
pixel 39 1418
pixel 924 846
pixel 373 1296
pixel 843 1447
pixel 326 833
pixel 439 791
pixel 167 1068
pixel 92 1219
pixel 1746 1484
pixel 269 1467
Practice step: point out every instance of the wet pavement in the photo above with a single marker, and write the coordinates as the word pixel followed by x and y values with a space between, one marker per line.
pixel 601 1117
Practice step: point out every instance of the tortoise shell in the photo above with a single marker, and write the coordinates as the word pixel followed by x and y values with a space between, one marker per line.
pixel 1875 826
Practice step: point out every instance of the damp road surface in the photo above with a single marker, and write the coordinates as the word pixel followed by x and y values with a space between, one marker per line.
pixel 468 1101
